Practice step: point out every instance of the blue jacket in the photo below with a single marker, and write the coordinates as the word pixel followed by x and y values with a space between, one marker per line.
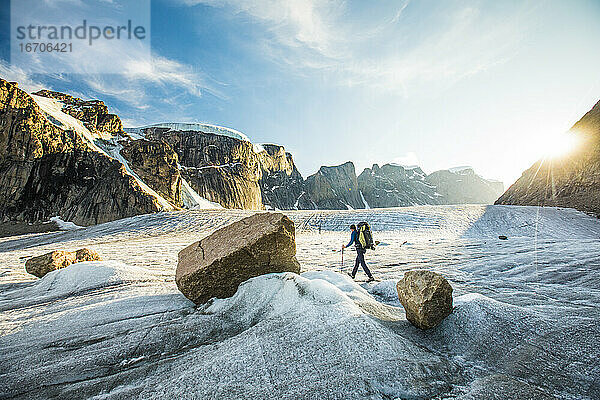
pixel 354 239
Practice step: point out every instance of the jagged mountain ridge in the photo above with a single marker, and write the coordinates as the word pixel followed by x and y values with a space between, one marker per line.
pixel 572 180
pixel 463 186
pixel 393 185
pixel 87 168
pixel 334 188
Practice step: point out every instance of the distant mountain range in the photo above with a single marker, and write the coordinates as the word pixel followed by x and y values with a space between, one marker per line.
pixel 60 155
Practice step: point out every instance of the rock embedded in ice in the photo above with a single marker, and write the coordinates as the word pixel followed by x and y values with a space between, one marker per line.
pixel 216 265
pixel 41 265
pixel 426 296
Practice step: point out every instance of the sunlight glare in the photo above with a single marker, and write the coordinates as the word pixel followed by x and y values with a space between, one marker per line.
pixel 559 145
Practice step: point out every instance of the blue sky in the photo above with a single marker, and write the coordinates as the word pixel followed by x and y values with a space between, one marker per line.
pixel 434 83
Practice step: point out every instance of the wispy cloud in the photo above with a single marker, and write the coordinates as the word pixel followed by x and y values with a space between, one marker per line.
pixel 125 69
pixel 384 52
pixel 16 74
pixel 298 23
pixel 165 72
pixel 133 86
pixel 138 77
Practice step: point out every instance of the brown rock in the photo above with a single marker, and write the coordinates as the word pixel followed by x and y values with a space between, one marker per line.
pixel 156 164
pixel 41 265
pixel 426 296
pixel 216 265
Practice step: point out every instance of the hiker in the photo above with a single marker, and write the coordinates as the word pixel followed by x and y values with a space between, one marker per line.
pixel 360 254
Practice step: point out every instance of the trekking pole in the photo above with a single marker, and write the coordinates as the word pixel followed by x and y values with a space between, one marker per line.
pixel 342 268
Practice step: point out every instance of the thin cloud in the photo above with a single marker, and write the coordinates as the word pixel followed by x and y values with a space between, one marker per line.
pixel 166 72
pixel 23 78
pixel 386 54
pixel 141 76
pixel 298 23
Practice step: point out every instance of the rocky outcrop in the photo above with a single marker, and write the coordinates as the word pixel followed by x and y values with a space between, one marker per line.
pixel 334 188
pixel 156 163
pixel 41 265
pixel 393 185
pixel 93 113
pixel 572 180
pixel 220 168
pixel 46 170
pixel 216 265
pixel 281 184
pixel 426 297
pixel 463 186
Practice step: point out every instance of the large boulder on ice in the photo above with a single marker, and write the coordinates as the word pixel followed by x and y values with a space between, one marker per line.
pixel 426 296
pixel 216 265
pixel 41 265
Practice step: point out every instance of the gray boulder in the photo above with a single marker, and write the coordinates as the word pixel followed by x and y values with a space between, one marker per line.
pixel 426 296
pixel 216 265
pixel 41 265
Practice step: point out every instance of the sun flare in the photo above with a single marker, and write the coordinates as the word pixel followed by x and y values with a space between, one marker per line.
pixel 560 145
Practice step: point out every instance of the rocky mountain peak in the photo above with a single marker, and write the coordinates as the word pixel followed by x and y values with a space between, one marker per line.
pixel 93 113
pixel 48 169
pixel 335 187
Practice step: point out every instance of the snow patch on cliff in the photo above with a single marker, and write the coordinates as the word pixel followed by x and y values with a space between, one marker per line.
pixel 192 200
pixel 461 169
pixel 363 200
pixel 64 225
pixel 53 110
pixel 113 150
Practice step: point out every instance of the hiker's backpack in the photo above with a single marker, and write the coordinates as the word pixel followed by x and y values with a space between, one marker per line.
pixel 365 237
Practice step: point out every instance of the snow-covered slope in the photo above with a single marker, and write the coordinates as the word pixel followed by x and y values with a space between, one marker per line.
pixel 525 324
pixel 460 169
pixel 193 200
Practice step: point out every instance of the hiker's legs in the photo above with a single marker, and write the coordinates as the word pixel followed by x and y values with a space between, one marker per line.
pixel 356 264
pixel 360 258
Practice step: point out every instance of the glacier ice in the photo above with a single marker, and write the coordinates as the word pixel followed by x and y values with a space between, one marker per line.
pixel 525 323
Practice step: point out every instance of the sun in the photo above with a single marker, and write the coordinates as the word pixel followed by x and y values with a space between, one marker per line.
pixel 559 145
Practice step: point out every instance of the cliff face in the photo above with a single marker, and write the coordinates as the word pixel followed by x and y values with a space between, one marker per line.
pixel 281 184
pixel 46 170
pixel 220 168
pixel 227 169
pixel 569 181
pixel 464 186
pixel 334 188
pixel 156 163
pixel 394 186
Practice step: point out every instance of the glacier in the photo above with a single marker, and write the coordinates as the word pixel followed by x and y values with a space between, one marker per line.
pixel 194 126
pixel 525 323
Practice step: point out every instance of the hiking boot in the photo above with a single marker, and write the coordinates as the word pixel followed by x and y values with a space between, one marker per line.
pixel 350 275
pixel 371 279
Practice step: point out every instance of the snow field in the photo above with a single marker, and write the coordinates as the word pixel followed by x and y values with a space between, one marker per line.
pixel 525 323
